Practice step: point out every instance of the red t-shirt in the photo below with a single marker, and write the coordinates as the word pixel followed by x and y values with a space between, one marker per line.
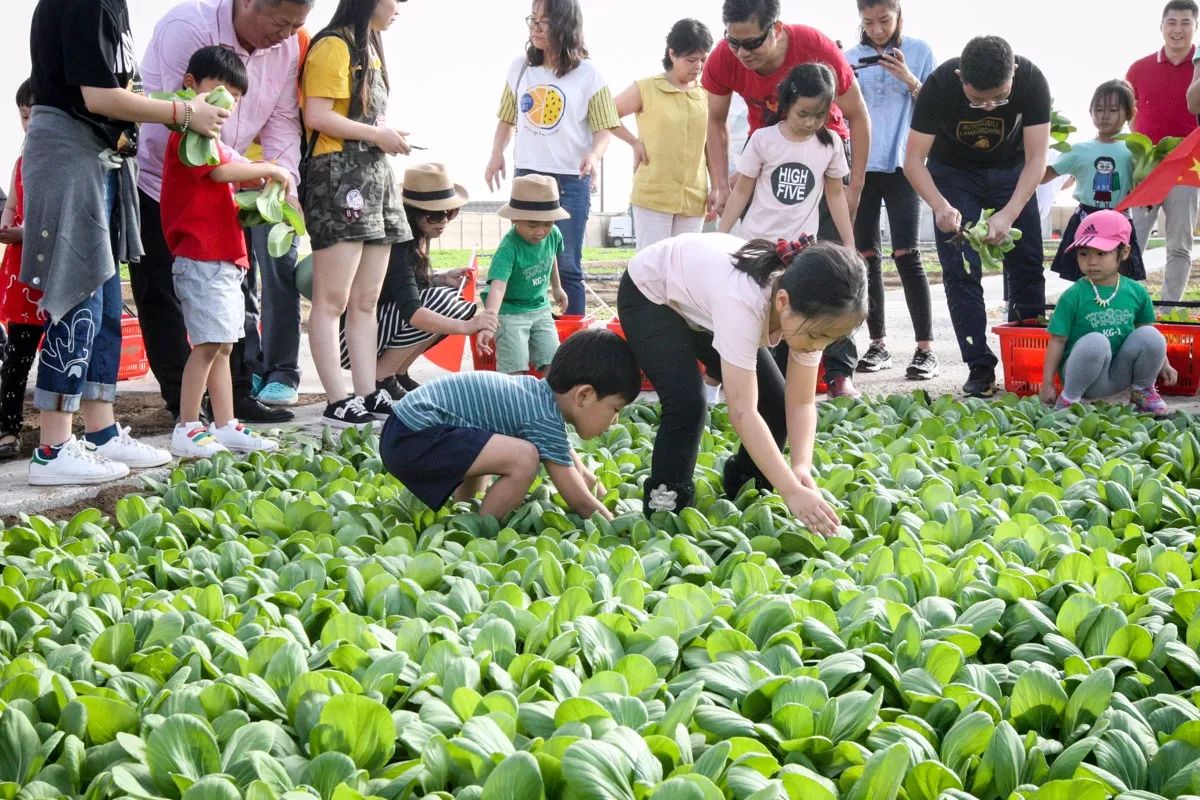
pixel 1161 90
pixel 199 215
pixel 723 74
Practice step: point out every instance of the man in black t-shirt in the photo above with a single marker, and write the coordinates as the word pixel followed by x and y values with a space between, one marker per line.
pixel 979 138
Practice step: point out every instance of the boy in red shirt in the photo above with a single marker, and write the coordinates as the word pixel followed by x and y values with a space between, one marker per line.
pixel 201 228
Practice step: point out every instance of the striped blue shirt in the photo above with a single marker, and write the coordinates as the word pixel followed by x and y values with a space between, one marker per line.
pixel 522 406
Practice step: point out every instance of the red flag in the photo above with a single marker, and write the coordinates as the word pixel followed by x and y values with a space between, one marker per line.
pixel 1181 167
pixel 448 353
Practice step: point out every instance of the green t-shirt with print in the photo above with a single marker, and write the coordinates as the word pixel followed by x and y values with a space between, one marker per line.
pixel 526 269
pixel 1078 314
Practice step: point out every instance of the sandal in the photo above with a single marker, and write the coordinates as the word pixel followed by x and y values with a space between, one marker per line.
pixel 10 446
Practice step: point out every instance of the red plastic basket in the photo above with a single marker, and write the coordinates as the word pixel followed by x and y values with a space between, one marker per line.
pixel 614 325
pixel 134 363
pixel 567 324
pixel 1023 353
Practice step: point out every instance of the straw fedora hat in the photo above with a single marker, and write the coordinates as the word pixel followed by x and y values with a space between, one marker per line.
pixel 534 198
pixel 428 187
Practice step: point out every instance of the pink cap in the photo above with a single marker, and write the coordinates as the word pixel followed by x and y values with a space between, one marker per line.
pixel 1104 230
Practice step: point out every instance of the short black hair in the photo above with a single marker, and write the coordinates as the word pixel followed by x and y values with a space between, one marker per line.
pixel 686 37
pixel 219 63
pixel 25 94
pixel 1118 89
pixel 1181 5
pixel 986 63
pixel 764 12
pixel 598 358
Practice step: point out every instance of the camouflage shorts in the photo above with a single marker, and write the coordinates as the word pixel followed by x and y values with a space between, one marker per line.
pixel 351 196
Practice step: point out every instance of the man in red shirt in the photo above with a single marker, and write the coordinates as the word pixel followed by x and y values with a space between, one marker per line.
pixel 1166 106
pixel 756 54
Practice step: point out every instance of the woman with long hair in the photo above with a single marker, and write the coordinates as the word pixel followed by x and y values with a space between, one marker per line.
pixel 562 114
pixel 352 208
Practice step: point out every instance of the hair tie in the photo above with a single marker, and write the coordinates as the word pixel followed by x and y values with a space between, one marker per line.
pixel 788 250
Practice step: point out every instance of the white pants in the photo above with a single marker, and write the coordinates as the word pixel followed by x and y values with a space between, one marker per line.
pixel 654 226
pixel 1180 207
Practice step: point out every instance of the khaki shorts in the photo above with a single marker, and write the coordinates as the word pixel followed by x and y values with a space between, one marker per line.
pixel 526 340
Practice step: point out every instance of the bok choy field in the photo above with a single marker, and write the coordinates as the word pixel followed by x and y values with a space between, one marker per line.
pixel 1011 610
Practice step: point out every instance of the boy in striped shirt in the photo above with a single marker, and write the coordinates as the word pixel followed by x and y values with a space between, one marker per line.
pixel 446 437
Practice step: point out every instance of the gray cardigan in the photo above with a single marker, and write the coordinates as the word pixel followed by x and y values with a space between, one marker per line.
pixel 68 244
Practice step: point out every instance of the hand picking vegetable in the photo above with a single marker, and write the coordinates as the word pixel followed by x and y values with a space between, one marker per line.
pixel 267 206
pixel 195 149
pixel 990 255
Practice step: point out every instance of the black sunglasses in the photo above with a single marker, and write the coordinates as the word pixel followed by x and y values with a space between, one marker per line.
pixel 440 216
pixel 748 44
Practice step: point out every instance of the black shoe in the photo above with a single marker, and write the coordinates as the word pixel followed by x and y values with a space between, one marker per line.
pixel 924 366
pixel 247 409
pixel 348 413
pixel 876 358
pixel 379 404
pixel 392 387
pixel 981 383
pixel 735 475
pixel 407 383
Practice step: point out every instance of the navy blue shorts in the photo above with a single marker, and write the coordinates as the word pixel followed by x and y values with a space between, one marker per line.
pixel 431 462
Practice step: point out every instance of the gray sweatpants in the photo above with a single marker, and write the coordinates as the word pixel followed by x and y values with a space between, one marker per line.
pixel 1092 370
pixel 1180 208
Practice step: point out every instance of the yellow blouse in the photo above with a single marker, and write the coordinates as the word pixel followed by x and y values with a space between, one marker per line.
pixel 673 125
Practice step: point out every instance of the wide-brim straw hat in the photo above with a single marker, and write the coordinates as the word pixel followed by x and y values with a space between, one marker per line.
pixel 534 198
pixel 428 187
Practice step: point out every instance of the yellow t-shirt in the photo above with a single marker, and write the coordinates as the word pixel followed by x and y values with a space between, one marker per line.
pixel 327 74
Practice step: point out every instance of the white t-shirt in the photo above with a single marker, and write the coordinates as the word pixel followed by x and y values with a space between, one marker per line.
pixel 790 183
pixel 694 274
pixel 553 130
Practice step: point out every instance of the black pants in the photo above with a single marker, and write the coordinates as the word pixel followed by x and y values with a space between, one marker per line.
pixel 19 354
pixel 667 350
pixel 161 315
pixel 904 217
pixel 841 357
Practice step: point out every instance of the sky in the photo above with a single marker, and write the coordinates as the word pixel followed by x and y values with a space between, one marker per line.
pixel 447 58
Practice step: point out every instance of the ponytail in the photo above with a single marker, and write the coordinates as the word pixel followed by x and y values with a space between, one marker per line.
pixel 762 260
pixel 827 280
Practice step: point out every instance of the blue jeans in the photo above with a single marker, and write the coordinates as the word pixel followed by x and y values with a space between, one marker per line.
pixel 971 191
pixel 81 353
pixel 575 196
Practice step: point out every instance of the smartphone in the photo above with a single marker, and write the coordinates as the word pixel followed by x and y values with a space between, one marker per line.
pixel 868 60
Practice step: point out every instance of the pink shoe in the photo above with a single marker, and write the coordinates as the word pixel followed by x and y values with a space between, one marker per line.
pixel 1062 402
pixel 842 386
pixel 1149 401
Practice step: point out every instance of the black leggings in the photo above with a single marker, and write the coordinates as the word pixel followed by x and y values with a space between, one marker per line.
pixel 14 375
pixel 667 351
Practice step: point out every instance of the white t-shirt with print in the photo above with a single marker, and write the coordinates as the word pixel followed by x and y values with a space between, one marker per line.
pixel 694 274
pixel 553 131
pixel 790 183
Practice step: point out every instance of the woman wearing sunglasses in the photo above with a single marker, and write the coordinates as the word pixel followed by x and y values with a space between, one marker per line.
pixel 417 307
pixel 562 114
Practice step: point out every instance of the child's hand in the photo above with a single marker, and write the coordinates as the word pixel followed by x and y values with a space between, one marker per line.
pixel 485 340
pixel 484 321
pixel 1168 375
pixel 560 299
pixel 1048 394
pixel 277 174
pixel 13 234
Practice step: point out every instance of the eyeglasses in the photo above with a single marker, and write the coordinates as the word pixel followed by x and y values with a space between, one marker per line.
pixel 748 44
pixel 988 104
pixel 440 216
pixel 542 24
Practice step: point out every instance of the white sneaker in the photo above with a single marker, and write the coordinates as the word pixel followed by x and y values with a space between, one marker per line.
pixel 77 463
pixel 237 437
pixel 192 440
pixel 125 449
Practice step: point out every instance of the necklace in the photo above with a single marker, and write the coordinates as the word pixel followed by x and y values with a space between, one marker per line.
pixel 1104 302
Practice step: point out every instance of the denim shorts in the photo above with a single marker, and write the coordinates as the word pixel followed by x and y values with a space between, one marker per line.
pixel 214 309
pixel 526 340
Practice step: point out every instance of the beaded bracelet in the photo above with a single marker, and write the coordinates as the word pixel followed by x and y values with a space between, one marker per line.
pixel 187 116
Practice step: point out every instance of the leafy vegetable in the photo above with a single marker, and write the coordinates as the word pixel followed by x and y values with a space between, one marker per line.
pixel 1061 129
pixel 267 206
pixel 990 255
pixel 1146 154
pixel 196 150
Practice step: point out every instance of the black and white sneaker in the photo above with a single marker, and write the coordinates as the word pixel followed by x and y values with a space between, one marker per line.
pixel 407 383
pixel 981 382
pixel 379 404
pixel 923 367
pixel 348 413
pixel 876 358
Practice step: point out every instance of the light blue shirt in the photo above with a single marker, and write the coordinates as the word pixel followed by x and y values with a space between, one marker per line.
pixel 523 407
pixel 1103 172
pixel 888 101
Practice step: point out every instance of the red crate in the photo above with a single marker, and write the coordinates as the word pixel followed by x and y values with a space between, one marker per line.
pixel 567 324
pixel 614 325
pixel 1023 353
pixel 134 363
